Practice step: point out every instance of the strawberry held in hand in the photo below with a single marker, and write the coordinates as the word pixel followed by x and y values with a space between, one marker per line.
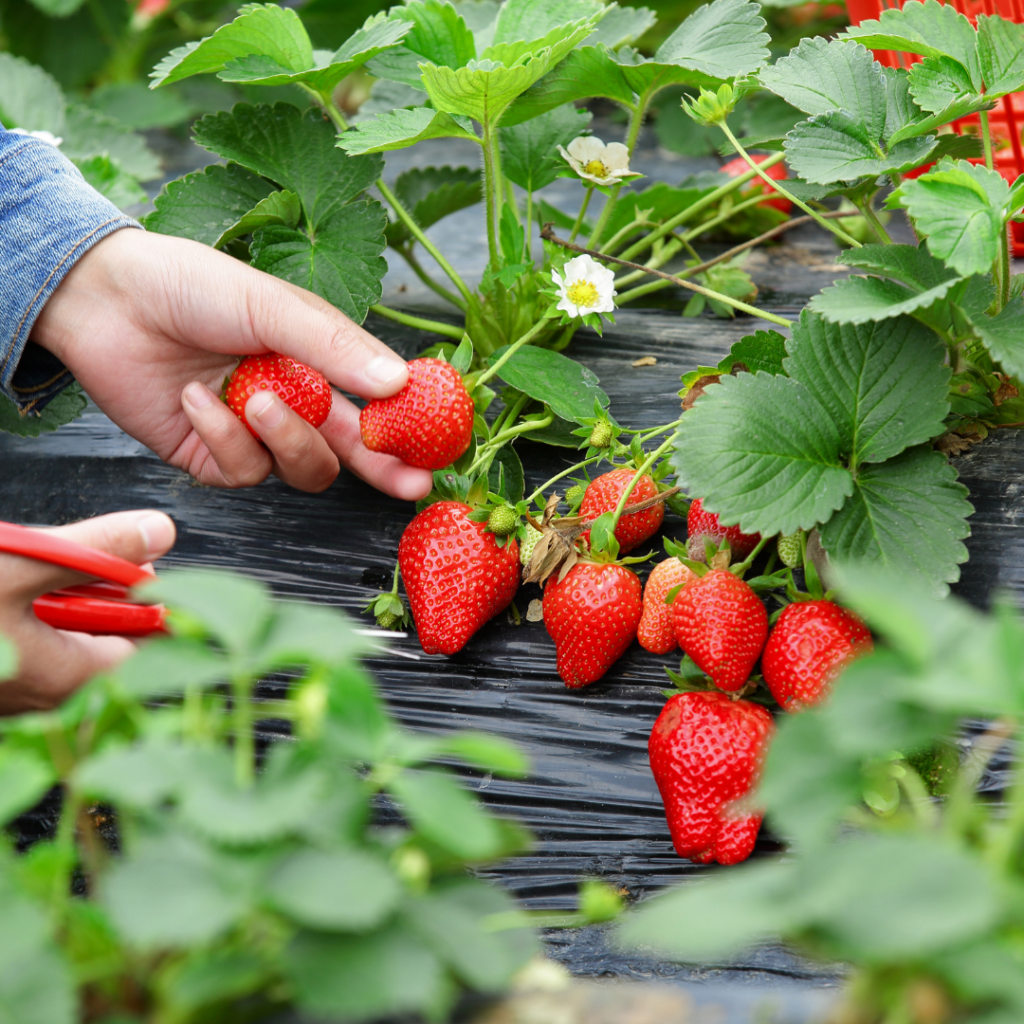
pixel 602 495
pixel 704 526
pixel 302 389
pixel 706 752
pixel 455 574
pixel 592 616
pixel 656 632
pixel 810 645
pixel 722 624
pixel 428 424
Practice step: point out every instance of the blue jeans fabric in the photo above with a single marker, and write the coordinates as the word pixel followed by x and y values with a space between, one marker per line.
pixel 49 218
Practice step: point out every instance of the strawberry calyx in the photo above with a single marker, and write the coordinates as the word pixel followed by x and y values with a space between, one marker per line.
pixel 389 609
pixel 692 679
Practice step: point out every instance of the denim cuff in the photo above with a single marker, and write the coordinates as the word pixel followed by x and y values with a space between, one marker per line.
pixel 49 217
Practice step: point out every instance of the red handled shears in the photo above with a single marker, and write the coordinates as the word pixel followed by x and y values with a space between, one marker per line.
pixel 103 607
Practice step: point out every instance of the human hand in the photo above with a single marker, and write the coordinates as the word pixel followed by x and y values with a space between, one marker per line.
pixel 151 325
pixel 54 663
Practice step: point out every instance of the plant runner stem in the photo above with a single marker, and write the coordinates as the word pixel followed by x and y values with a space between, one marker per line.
pixel 438 289
pixel 435 326
pixel 558 476
pixel 245 747
pixel 876 225
pixel 986 138
pixel 489 450
pixel 512 349
pixel 648 462
pixel 550 236
pixel 583 212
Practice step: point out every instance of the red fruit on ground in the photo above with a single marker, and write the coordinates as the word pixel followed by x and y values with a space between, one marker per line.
pixel 810 645
pixel 428 424
pixel 701 526
pixel 655 632
pixel 298 386
pixel 706 752
pixel 455 574
pixel 722 624
pixel 602 495
pixel 777 172
pixel 592 616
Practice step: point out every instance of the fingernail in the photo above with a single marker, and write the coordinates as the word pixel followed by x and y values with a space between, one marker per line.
pixel 384 370
pixel 197 396
pixel 157 532
pixel 266 408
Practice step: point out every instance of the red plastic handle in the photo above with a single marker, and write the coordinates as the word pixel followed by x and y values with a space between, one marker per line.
pixel 99 617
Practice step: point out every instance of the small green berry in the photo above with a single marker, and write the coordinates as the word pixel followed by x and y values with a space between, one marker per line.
pixel 387 620
pixel 601 435
pixel 528 543
pixel 502 520
pixel 575 494
pixel 788 546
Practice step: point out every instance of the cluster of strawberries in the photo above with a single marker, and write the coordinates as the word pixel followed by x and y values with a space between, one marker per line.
pixel 460 570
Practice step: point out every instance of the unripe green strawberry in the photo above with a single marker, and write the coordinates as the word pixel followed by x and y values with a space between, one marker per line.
pixel 574 495
pixel 601 435
pixel 387 620
pixel 528 543
pixel 502 520
pixel 788 546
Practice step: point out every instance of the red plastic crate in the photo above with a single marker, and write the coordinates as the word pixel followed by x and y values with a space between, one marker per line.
pixel 1006 120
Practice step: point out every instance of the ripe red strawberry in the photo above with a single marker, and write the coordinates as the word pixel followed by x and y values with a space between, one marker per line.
pixel 722 624
pixel 455 574
pixel 777 172
pixel 655 631
pixel 603 495
pixel 706 752
pixel 592 616
pixel 811 643
pixel 701 526
pixel 428 424
pixel 298 386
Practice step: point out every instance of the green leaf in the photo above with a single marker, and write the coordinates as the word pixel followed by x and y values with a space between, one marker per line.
pixel 104 175
pixel 908 514
pixel 343 890
pixel 139 776
pixel 558 433
pixel 402 128
pixel 440 809
pixel 529 151
pixel 139 108
pixel 233 608
pixel 67 406
pixel 166 666
pixel 356 719
pixel 937 82
pixel 565 385
pixel 622 25
pixel 931 29
pixel 58 8
pixel 959 207
pixel 533 19
pixel 491 753
pixel 363 977
pixel 277 208
pixel 342 262
pixel 8 660
pixel 431 194
pixel 307 634
pixel 29 97
pixel 296 150
pixel 24 779
pixel 438 35
pixel 765 451
pixel 654 205
pixel 762 350
pixel 1001 55
pixel 884 386
pixel 207 205
pixel 264 29
pixel 87 133
pixel 213 976
pixel 1003 335
pixel 508 463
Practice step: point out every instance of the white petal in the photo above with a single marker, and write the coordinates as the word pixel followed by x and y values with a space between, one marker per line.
pixel 567 306
pixel 557 278
pixel 586 148
pixel 616 157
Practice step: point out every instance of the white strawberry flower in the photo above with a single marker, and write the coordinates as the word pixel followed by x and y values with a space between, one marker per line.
pixel 587 287
pixel 53 140
pixel 591 159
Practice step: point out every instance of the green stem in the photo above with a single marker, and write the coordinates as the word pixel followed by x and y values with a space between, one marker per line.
pixel 623 233
pixel 509 414
pixel 245 745
pixel 435 326
pixel 438 289
pixel 986 139
pixel 636 120
pixel 876 225
pixel 778 187
pixel 583 212
pixel 749 560
pixel 491 184
pixel 558 476
pixel 511 351
pixel 698 207
pixel 648 462
pixel 1004 267
pixel 417 232
pixel 647 435
pixel 510 199
pixel 529 226
pixel 488 451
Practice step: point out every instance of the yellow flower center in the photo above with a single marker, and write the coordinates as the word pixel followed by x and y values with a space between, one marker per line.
pixel 596 168
pixel 582 293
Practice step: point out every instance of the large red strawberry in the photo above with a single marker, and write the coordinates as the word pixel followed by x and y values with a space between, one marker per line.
pixel 722 624
pixel 811 643
pixel 428 424
pixel 706 751
pixel 592 616
pixel 655 632
pixel 701 526
pixel 777 172
pixel 298 386
pixel 455 574
pixel 602 495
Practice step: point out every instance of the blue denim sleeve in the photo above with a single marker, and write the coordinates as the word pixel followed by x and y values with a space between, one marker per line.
pixel 49 217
